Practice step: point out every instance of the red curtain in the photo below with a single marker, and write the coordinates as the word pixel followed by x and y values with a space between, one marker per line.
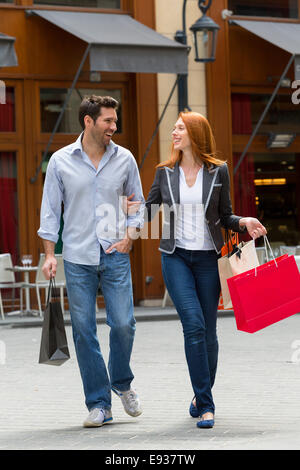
pixel 7 112
pixel 244 189
pixel 8 184
pixel 9 205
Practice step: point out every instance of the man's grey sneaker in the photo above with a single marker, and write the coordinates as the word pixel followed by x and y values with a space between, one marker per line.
pixel 97 417
pixel 130 401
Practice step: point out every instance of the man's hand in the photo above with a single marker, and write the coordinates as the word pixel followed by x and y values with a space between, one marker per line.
pixel 254 227
pixel 123 246
pixel 49 266
pixel 130 207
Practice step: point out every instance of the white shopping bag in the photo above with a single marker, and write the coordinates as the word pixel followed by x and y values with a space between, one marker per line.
pixel 242 260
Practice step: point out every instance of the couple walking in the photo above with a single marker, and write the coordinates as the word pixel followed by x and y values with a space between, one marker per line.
pixel 87 181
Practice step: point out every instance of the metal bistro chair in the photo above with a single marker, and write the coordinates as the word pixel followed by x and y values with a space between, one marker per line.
pixel 42 283
pixel 8 281
pixel 290 250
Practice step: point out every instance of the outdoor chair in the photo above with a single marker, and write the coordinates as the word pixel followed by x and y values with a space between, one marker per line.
pixel 8 281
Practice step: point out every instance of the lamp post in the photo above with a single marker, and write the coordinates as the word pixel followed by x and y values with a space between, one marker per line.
pixel 205 39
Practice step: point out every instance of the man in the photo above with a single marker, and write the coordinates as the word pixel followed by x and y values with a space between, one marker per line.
pixel 90 177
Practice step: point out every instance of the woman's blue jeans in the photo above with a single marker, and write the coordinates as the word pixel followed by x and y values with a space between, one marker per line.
pixel 192 280
pixel 114 275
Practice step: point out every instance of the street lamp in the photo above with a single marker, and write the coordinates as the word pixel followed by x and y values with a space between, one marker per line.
pixel 205 38
pixel 205 32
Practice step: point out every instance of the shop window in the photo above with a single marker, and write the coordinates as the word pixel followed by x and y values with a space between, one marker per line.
pixel 114 4
pixel 52 101
pixel 271 8
pixel 9 233
pixel 277 195
pixel 7 111
pixel 265 187
pixel 282 117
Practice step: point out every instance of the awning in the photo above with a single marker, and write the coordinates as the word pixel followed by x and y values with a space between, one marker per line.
pixel 121 44
pixel 283 35
pixel 8 57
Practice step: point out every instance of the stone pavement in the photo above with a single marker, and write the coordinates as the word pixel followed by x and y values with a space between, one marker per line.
pixel 256 393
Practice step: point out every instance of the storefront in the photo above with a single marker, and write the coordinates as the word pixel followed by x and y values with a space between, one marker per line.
pixel 49 57
pixel 241 83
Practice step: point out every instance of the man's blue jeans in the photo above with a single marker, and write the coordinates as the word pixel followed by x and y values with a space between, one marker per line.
pixel 192 280
pixel 114 276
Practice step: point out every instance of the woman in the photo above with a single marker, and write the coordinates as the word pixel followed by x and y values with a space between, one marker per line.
pixel 194 188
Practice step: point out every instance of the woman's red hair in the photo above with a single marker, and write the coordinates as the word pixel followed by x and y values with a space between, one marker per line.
pixel 202 141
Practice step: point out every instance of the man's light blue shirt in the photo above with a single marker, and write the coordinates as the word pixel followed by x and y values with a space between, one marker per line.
pixel 92 200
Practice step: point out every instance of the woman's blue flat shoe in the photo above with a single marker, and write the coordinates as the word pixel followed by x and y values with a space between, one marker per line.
pixel 193 410
pixel 206 423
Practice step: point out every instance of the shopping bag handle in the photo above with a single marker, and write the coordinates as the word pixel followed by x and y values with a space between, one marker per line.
pixel 51 289
pixel 266 242
pixel 267 246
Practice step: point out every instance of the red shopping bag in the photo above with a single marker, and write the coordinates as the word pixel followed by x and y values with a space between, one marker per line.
pixel 265 295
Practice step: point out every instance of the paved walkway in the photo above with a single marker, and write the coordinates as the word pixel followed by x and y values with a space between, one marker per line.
pixel 256 392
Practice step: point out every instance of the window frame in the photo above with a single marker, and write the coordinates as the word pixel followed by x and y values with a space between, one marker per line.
pixel 18 149
pixel 259 144
pixel 74 6
pixel 64 138
pixel 268 18
pixel 125 8
pixel 15 136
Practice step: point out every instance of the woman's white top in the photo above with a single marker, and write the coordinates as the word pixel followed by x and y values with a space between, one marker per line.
pixel 191 229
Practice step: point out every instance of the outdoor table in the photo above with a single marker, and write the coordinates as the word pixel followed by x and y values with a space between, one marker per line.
pixel 25 270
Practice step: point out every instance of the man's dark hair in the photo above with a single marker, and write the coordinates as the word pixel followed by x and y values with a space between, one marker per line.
pixel 91 106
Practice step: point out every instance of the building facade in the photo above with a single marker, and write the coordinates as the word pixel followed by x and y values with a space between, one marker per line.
pixel 48 58
pixel 247 71
pixel 232 92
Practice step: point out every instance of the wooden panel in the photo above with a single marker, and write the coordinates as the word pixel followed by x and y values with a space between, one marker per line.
pixel 273 7
pixel 252 59
pixel 126 6
pixel 33 197
pixel 147 117
pixel 259 145
pixel 218 87
pixel 12 22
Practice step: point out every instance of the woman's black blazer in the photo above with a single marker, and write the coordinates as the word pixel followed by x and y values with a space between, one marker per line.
pixel 215 198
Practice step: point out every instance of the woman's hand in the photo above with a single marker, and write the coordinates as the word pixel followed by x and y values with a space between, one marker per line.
pixel 253 226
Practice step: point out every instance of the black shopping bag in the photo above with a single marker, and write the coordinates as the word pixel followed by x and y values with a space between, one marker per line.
pixel 54 346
